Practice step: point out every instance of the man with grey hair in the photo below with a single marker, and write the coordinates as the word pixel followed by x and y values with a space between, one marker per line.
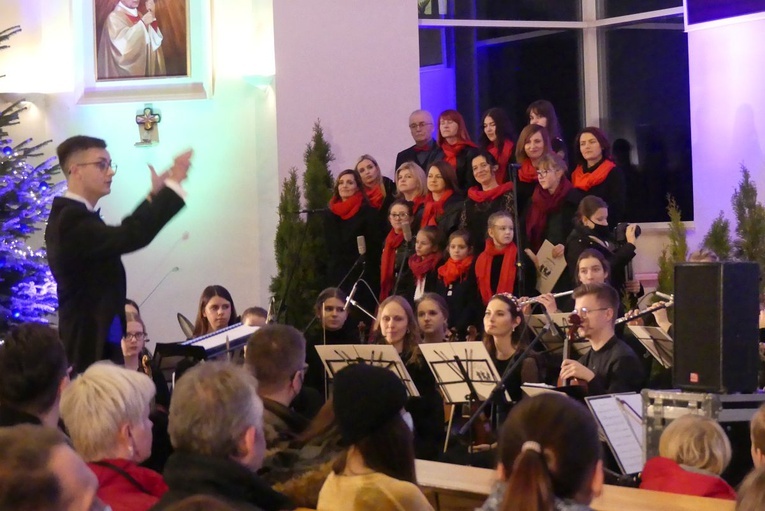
pixel 216 428
pixel 425 150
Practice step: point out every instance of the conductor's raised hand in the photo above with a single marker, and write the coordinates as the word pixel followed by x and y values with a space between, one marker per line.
pixel 180 169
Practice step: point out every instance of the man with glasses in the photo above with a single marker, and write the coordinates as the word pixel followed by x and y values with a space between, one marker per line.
pixel 425 150
pixel 610 366
pixel 84 253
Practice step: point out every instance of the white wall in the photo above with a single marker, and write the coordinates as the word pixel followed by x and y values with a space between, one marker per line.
pixel 355 66
pixel 727 115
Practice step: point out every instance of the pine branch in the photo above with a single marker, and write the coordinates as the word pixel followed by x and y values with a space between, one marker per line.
pixel 7 34
pixel 718 238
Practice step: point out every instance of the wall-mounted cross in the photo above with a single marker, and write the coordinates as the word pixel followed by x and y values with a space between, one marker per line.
pixel 148 119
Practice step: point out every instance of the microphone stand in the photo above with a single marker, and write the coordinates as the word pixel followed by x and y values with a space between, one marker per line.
pixel 513 168
pixel 500 387
pixel 361 259
pixel 403 265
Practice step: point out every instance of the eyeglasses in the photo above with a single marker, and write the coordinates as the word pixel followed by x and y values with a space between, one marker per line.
pixel 102 165
pixel 138 336
pixel 543 173
pixel 584 311
pixel 420 125
pixel 399 215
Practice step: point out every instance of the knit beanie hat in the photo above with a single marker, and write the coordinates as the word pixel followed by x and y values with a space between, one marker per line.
pixel 365 398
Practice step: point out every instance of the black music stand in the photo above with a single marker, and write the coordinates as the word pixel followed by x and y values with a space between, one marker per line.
pixel 657 342
pixel 167 356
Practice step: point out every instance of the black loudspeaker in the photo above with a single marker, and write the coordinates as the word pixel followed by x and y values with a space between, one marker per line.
pixel 716 327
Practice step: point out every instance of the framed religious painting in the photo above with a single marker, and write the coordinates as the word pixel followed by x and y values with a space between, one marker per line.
pixel 145 49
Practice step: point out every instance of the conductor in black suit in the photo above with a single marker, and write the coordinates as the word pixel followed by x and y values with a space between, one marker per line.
pixel 84 253
pixel 425 150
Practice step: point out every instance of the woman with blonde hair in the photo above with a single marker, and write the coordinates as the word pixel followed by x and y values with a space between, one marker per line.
pixel 380 190
pixel 693 452
pixel 106 411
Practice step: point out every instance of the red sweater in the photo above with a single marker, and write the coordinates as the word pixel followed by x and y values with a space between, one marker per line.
pixel 122 494
pixel 664 474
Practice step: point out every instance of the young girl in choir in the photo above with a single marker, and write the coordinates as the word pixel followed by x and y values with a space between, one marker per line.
pixel 433 318
pixel 379 189
pixel 495 268
pixel 456 145
pixel 596 174
pixel 542 113
pixel 549 457
pixel 423 265
pixel 497 139
pixel 395 249
pixel 503 325
pixel 693 452
pixel 412 185
pixel 457 284
pixel 397 327
pixel 216 310
pixel 443 205
pixel 533 143
pixel 349 217
pixel 487 197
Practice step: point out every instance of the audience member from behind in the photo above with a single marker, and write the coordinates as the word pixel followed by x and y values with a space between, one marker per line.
pixel 757 437
pixel 693 452
pixel 201 503
pixel 216 310
pixel 33 373
pixel 549 457
pixel 377 472
pixel 751 493
pixel 106 411
pixel 254 316
pixel 216 427
pixel 276 357
pixel 425 150
pixel 39 471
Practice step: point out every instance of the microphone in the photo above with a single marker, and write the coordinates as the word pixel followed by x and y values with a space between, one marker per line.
pixel 309 211
pixel 664 296
pixel 361 243
pixel 407 228
pixel 172 270
pixel 353 292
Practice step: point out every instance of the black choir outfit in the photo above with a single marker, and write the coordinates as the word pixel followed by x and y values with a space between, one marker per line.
pixel 607 181
pixel 340 237
pixel 457 284
pixel 401 266
pixel 445 216
pixel 382 202
pixel 617 369
pixel 85 257
pixel 427 410
pixel 479 206
pixel 461 160
pixel 423 156
pixel 618 256
pixel 415 282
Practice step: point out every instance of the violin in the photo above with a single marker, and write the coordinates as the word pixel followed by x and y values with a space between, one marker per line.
pixel 574 322
pixel 146 364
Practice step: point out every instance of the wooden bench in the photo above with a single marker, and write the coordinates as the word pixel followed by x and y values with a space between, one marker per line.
pixel 458 488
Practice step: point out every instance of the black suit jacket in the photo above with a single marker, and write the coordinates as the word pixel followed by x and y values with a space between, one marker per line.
pixel 84 255
pixel 421 158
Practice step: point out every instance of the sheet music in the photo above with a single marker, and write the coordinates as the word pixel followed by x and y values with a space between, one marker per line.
pixel 550 268
pixel 621 418
pixel 211 341
pixel 337 356
pixel 657 342
pixel 534 389
pixel 476 361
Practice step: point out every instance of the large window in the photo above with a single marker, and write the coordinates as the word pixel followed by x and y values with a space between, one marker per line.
pixel 618 64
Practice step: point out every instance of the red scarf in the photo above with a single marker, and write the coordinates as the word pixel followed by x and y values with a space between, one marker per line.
pixel 527 172
pixel 388 264
pixel 477 195
pixel 345 209
pixel 454 270
pixel 417 203
pixel 503 159
pixel 506 275
pixel 434 208
pixel 542 205
pixel 451 151
pixel 586 180
pixel 376 196
pixel 422 265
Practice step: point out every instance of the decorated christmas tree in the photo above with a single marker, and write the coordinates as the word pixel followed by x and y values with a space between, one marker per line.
pixel 27 288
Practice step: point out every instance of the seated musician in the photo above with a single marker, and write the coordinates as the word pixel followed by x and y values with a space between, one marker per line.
pixel 276 357
pixel 216 310
pixel 611 365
